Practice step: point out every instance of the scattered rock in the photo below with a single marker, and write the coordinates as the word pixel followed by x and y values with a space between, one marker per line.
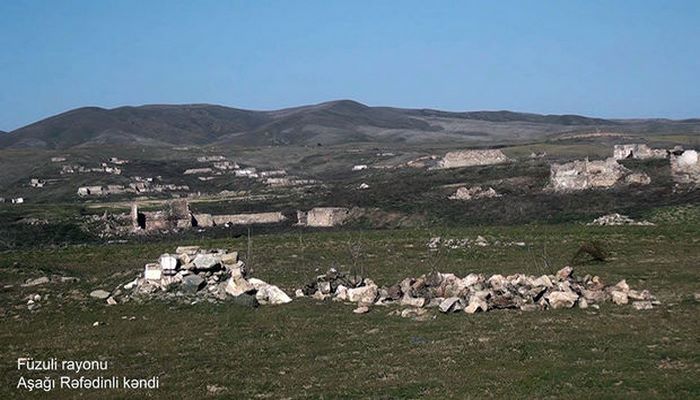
pixel 99 294
pixel 618 219
pixel 36 282
pixel 642 305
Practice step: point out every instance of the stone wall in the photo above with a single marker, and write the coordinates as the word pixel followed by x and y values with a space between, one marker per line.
pixel 249 219
pixel 466 158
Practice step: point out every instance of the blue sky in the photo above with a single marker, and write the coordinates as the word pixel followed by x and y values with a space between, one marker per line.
pixel 600 58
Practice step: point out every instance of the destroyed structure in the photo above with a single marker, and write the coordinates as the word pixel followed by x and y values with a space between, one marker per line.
pixel 474 193
pixel 322 216
pixel 477 292
pixel 637 151
pixel 193 274
pixel 467 158
pixel 618 219
pixel 582 175
pixel 685 168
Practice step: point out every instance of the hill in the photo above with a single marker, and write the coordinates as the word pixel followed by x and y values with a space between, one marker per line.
pixel 332 122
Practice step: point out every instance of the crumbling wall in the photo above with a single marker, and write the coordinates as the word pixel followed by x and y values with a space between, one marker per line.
pixel 249 219
pixel 637 151
pixel 325 216
pixel 177 215
pixel 685 168
pixel 467 158
pixel 582 175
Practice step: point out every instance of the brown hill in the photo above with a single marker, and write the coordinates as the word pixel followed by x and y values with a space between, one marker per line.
pixel 333 122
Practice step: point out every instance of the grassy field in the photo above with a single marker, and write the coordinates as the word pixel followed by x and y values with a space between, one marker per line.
pixel 310 349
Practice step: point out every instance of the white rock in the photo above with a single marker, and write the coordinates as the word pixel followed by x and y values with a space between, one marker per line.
pixel 152 272
pixel 99 294
pixel 543 281
pixel 619 297
pixel 476 304
pixel 582 303
pixel 412 301
pixel 471 279
pixel 131 285
pixel 168 263
pixel 236 286
pixel 361 310
pixel 642 305
pixel 497 281
pixel 562 299
pixel 622 286
pixel 364 294
pixel 273 295
pixel 449 304
pixel 299 293
pixel 341 293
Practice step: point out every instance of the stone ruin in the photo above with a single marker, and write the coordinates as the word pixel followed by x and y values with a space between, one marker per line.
pixel 637 151
pixel 193 275
pixel 477 292
pixel 208 220
pixel 176 216
pixel 685 168
pixel 618 219
pixel 467 158
pixel 583 175
pixel 322 216
pixel 474 193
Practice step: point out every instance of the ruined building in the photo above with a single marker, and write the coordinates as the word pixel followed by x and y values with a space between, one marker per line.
pixel 685 168
pixel 322 216
pixel 176 216
pixel 582 175
pixel 467 158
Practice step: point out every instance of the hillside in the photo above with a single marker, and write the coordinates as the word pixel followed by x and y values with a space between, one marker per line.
pixel 333 122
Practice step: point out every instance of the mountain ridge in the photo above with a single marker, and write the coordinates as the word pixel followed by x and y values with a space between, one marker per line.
pixel 333 122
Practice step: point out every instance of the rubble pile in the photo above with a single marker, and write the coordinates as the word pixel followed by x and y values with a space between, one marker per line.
pixel 341 286
pixel 192 274
pixel 474 193
pixel 478 293
pixel 618 219
pixel 436 242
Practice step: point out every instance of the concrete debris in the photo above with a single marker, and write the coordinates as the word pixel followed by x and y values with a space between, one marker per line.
pixel 192 274
pixel 618 219
pixel 477 292
pixel 474 193
pixel 467 158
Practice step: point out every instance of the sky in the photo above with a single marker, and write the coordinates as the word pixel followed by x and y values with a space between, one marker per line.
pixel 617 58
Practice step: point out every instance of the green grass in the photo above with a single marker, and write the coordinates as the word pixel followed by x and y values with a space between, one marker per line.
pixel 309 349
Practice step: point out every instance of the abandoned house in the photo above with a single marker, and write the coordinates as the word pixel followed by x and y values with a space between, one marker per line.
pixel 322 216
pixel 582 175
